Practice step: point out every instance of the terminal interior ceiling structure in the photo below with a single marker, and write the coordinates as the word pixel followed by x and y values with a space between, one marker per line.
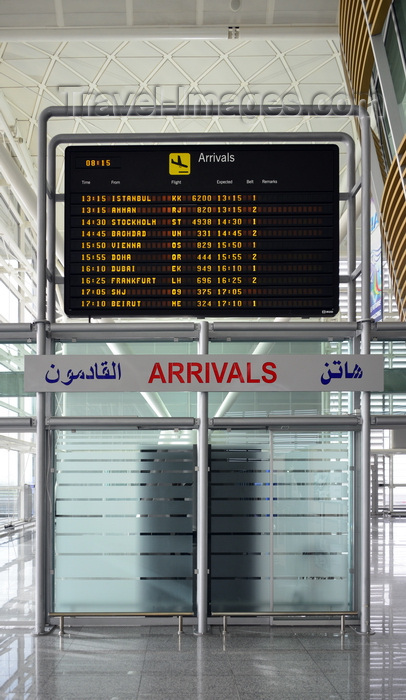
pixel 172 54
pixel 75 53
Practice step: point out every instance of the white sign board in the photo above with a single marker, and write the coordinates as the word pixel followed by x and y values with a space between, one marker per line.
pixel 67 373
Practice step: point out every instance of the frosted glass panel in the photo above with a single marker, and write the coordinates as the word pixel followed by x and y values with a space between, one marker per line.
pixel 240 525
pixel 281 528
pixel 242 595
pixel 127 596
pixel 124 522
pixel 295 595
pixel 312 527
pixel 285 543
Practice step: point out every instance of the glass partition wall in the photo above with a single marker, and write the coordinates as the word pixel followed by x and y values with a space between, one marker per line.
pixel 282 513
pixel 280 524
pixel 280 508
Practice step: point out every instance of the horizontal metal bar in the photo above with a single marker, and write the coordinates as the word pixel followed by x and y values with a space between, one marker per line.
pixel 27 332
pixel 17 332
pixel 282 330
pixel 124 335
pixel 280 335
pixel 120 423
pixel 390 421
pixel 112 327
pixel 121 614
pixel 347 422
pixel 107 332
pixel 13 327
pixel 306 327
pixel 287 613
pixel 352 422
pixel 199 138
pixel 18 425
pixel 257 330
pixel 388 330
pixel 226 110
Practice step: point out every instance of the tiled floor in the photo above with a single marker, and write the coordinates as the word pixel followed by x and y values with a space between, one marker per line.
pixel 249 663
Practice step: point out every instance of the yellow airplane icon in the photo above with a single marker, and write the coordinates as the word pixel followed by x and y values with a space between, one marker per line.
pixel 179 164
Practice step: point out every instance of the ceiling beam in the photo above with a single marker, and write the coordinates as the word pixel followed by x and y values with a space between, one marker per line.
pixel 35 34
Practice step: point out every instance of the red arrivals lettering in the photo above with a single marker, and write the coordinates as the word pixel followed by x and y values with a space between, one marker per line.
pixel 266 367
pixel 211 372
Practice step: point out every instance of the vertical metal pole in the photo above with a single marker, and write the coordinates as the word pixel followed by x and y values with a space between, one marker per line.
pixel 202 493
pixel 351 232
pixel 40 486
pixel 271 528
pixel 51 230
pixel 50 398
pixel 374 485
pixel 365 574
pixel 390 484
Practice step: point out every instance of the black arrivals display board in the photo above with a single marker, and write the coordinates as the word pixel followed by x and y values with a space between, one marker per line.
pixel 192 230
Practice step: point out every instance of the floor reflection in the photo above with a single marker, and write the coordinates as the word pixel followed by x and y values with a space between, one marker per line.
pixel 155 663
pixel 17 570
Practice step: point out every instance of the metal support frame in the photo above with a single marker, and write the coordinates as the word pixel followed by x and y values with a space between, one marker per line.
pixel 365 477
pixel 72 615
pixel 342 614
pixel 46 327
pixel 202 494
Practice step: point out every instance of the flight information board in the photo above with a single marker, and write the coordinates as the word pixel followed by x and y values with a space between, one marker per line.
pixel 189 230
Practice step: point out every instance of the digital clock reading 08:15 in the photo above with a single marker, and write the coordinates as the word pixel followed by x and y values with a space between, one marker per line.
pixel 97 163
pixel 204 231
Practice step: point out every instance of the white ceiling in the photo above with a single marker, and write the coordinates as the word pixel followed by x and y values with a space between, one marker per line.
pixel 53 14
pixel 156 52
pixel 52 48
